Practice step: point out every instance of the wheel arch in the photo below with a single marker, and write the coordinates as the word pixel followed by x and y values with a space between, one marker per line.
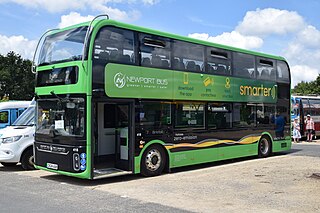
pixel 166 151
pixel 25 150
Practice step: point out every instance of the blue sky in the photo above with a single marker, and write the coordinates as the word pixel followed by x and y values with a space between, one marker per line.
pixel 289 28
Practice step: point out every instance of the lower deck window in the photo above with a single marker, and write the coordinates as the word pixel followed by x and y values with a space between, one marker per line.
pixel 219 116
pixel 189 115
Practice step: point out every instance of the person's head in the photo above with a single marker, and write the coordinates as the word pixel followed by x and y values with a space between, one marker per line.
pixel 308 116
pixel 296 120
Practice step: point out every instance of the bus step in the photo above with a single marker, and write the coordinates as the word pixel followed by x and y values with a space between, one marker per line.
pixel 109 172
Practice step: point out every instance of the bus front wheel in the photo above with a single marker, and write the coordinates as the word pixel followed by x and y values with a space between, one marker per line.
pixel 264 147
pixel 153 161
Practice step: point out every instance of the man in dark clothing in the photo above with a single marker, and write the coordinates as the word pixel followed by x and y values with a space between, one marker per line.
pixel 280 123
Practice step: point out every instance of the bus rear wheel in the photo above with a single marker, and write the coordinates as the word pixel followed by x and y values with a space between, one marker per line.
pixel 264 147
pixel 27 160
pixel 153 161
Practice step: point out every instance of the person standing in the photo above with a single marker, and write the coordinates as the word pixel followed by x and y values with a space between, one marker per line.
pixel 280 123
pixel 296 130
pixel 309 128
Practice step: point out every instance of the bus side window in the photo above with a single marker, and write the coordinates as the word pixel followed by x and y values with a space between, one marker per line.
pixel 188 55
pixel 155 51
pixel 266 69
pixel 282 72
pixel 218 61
pixel 113 45
pixel 243 65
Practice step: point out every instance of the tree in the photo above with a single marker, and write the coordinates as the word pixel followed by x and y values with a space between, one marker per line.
pixel 307 88
pixel 16 78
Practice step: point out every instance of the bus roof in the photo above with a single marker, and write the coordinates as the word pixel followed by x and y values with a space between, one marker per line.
pixel 14 104
pixel 169 35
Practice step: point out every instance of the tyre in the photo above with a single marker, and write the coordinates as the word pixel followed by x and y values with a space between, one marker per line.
pixel 153 161
pixel 27 160
pixel 264 147
pixel 8 164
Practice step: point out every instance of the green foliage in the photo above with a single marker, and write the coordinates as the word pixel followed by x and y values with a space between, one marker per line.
pixel 3 117
pixel 307 88
pixel 16 78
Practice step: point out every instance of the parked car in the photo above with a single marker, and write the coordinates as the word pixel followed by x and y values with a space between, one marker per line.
pixel 10 111
pixel 16 141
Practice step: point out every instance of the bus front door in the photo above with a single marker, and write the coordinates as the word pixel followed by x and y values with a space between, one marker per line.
pixel 113 141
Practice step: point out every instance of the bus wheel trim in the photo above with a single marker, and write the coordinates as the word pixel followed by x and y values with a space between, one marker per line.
pixel 153 160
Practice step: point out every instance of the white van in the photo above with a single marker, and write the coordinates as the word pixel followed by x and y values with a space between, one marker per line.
pixel 16 141
pixel 10 111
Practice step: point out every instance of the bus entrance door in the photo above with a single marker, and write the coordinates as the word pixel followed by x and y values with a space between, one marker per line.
pixel 112 147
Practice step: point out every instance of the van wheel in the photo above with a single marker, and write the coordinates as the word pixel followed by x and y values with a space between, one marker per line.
pixel 27 160
pixel 8 164
pixel 153 161
pixel 264 147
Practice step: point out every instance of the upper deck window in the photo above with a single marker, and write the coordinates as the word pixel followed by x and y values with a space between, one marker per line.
pixel 266 69
pixel 243 65
pixel 114 45
pixel 63 46
pixel 282 72
pixel 188 56
pixel 218 61
pixel 155 51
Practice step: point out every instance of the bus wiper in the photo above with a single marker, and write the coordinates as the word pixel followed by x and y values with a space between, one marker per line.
pixel 60 99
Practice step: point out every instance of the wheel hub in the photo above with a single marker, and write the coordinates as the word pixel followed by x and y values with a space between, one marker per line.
pixel 153 160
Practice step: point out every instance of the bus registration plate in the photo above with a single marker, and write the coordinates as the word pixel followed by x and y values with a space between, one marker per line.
pixel 52 166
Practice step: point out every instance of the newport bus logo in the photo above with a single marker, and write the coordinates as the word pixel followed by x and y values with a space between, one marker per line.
pixel 258 91
pixel 119 80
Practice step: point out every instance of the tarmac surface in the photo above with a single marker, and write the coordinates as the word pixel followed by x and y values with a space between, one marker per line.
pixel 285 182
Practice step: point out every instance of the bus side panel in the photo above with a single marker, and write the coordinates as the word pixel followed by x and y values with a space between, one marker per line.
pixel 283 145
pixel 185 158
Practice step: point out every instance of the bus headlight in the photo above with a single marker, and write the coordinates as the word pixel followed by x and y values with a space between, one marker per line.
pixel 11 139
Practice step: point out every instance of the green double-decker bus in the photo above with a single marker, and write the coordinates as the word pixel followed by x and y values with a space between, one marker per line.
pixel 114 99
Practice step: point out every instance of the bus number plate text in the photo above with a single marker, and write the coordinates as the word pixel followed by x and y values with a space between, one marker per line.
pixel 52 166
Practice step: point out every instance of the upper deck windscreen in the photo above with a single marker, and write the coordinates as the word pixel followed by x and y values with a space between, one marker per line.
pixel 63 46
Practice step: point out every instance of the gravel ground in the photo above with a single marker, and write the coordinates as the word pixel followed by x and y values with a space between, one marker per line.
pixel 282 183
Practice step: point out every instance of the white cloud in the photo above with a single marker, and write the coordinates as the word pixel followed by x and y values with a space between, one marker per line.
pixel 309 37
pixel 150 2
pixel 73 18
pixel 101 6
pixel 51 6
pixel 233 38
pixel 270 21
pixel 303 73
pixel 18 44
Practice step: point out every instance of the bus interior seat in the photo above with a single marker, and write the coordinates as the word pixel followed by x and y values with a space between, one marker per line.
pixel 273 73
pixel 221 69
pixel 114 55
pixel 165 63
pixel 264 74
pixel 198 68
pixel 176 64
pixel 191 65
pixel 254 74
pixel 104 56
pixel 156 61
pixel 125 59
pixel 146 62
pixel 210 69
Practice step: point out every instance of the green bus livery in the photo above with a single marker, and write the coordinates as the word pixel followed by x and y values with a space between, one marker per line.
pixel 114 99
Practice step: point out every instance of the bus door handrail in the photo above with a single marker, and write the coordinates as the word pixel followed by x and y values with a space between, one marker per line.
pixel 86 39
pixel 33 66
